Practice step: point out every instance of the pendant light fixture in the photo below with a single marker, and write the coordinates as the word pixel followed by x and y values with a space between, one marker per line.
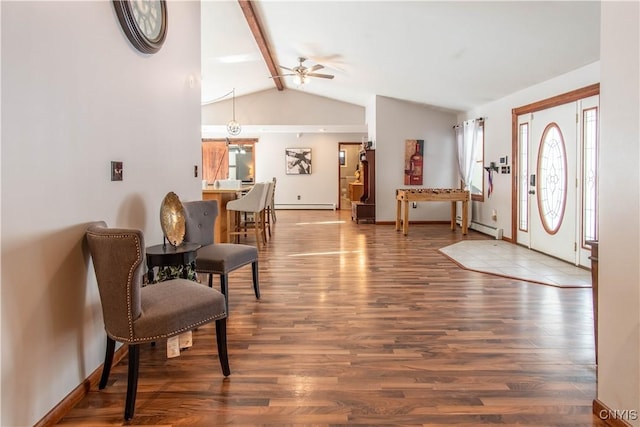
pixel 233 127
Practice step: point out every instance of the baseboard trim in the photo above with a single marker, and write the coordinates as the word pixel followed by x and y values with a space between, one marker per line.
pixel 429 222
pixel 413 222
pixel 306 206
pixel 61 409
pixel 610 417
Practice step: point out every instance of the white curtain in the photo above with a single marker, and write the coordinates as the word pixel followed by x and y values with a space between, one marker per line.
pixel 466 136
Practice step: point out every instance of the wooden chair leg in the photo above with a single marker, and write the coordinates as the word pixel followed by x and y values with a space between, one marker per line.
pixel 221 340
pixel 262 227
pixel 265 225
pixel 230 225
pixel 256 285
pixel 268 221
pixel 108 361
pixel 224 288
pixel 132 381
pixel 256 228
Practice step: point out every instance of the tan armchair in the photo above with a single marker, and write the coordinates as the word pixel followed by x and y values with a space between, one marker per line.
pixel 134 314
pixel 253 205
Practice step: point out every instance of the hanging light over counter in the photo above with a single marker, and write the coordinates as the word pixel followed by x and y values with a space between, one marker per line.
pixel 233 127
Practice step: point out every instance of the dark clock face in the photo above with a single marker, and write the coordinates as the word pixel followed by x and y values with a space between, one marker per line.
pixel 144 22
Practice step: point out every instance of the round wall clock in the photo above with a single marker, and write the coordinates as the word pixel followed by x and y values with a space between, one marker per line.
pixel 144 22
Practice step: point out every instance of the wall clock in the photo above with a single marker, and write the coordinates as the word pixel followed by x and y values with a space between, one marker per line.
pixel 144 22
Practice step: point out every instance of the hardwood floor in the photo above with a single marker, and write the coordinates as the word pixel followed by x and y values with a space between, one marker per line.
pixel 360 325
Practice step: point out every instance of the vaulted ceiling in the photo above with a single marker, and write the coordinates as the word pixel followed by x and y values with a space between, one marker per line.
pixel 453 55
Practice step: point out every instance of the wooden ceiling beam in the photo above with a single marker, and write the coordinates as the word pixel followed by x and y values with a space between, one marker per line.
pixel 258 34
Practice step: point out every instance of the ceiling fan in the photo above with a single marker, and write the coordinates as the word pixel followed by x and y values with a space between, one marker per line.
pixel 301 73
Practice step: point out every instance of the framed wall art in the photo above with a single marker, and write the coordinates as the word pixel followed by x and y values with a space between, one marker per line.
pixel 298 161
pixel 342 156
pixel 413 161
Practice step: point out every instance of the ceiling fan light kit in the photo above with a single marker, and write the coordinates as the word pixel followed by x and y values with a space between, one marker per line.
pixel 300 79
pixel 301 74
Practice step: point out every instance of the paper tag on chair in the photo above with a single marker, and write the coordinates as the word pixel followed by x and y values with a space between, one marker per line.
pixel 173 346
pixel 186 340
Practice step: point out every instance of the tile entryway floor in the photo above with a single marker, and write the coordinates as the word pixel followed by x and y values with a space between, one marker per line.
pixel 510 260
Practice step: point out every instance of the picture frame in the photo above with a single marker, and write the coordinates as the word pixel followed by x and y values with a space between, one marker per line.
pixel 298 161
pixel 413 161
pixel 342 157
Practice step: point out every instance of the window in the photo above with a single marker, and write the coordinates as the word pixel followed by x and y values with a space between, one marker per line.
pixel 477 175
pixel 470 145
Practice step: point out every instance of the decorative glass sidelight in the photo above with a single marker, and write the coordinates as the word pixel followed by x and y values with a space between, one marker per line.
pixel 523 177
pixel 589 175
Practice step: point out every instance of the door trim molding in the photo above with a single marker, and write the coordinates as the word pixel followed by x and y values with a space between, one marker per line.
pixel 554 101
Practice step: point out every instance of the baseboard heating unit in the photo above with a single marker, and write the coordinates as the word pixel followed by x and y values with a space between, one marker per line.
pixel 489 230
pixel 309 206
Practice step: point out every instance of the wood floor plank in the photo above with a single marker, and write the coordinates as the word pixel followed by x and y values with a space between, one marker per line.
pixel 360 325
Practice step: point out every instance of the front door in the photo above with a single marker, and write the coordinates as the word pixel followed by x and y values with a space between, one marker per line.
pixel 555 185
pixel 553 181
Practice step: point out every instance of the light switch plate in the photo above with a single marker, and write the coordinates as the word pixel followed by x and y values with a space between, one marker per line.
pixel 116 171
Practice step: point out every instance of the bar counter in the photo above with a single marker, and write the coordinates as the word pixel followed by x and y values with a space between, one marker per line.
pixel 223 196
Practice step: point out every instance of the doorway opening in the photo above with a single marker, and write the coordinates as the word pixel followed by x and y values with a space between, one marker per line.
pixel 555 148
pixel 228 159
pixel 349 181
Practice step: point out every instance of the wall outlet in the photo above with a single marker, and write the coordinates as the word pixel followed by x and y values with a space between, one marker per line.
pixel 298 197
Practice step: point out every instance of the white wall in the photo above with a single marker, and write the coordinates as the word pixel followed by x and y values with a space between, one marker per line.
pixel 391 122
pixel 288 107
pixel 75 96
pixel 497 135
pixel 370 120
pixel 619 222
pixel 300 110
pixel 397 121
pixel 317 190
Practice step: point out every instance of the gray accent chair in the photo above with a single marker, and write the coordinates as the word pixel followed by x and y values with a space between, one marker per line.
pixel 134 314
pixel 217 258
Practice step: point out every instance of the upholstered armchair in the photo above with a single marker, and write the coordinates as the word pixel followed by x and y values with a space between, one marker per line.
pixel 134 314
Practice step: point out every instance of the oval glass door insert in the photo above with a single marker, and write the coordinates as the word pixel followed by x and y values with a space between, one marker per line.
pixel 552 178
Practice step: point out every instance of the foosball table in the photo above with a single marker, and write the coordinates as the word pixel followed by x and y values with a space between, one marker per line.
pixel 406 195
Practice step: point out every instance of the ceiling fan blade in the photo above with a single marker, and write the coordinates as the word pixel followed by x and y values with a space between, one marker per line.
pixel 286 68
pixel 322 76
pixel 315 68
